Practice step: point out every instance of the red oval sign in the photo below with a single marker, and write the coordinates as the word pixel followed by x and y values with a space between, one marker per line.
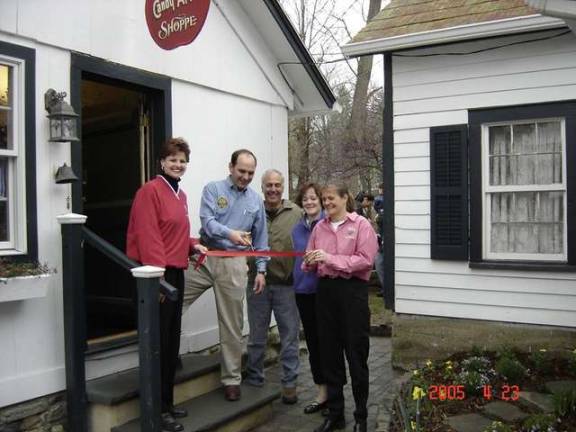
pixel 173 23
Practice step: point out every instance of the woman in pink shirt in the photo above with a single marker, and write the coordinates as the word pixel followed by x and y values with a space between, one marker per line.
pixel 341 250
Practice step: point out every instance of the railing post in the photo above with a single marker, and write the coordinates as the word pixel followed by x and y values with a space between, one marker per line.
pixel 148 285
pixel 74 319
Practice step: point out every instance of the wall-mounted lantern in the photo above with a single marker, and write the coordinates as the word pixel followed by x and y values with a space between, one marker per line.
pixel 63 118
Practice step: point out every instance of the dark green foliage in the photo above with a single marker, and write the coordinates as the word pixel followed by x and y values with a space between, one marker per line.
pixel 511 369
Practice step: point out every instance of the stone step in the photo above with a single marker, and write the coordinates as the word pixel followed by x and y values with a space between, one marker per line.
pixel 560 386
pixel 211 412
pixel 504 411
pixel 469 423
pixel 541 401
pixel 113 399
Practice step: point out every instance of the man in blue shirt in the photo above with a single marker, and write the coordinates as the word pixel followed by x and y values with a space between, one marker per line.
pixel 233 218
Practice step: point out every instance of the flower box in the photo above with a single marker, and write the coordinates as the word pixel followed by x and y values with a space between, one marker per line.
pixel 24 287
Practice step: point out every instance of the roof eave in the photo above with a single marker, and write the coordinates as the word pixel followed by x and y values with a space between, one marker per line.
pixel 301 52
pixel 452 34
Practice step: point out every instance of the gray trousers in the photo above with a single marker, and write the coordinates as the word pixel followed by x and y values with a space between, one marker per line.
pixel 279 299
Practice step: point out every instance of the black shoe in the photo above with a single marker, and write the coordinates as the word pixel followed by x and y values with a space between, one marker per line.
pixel 169 424
pixel 314 406
pixel 178 412
pixel 360 426
pixel 325 412
pixel 330 425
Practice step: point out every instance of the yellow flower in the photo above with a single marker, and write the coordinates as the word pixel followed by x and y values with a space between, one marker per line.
pixel 429 363
pixel 542 349
pixel 415 372
pixel 448 363
pixel 418 393
pixel 413 425
pixel 448 367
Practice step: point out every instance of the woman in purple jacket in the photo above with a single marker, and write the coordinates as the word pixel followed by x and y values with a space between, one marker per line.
pixel 305 287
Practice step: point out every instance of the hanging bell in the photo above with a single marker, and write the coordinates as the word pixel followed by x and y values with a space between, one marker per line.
pixel 64 174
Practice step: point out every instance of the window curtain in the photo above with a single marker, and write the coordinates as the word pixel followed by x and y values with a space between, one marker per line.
pixel 3 199
pixel 526 222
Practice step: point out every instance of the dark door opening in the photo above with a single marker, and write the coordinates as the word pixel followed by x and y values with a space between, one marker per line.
pixel 115 163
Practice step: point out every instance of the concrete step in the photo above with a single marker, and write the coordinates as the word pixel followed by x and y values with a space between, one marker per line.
pixel 211 412
pixel 113 399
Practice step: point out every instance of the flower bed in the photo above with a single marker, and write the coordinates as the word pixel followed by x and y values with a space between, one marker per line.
pixel 466 382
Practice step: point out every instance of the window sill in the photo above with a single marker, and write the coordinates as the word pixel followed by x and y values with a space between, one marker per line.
pixel 523 266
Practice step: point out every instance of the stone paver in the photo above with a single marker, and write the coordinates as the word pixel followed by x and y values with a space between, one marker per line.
pixel 542 401
pixel 291 418
pixel 469 423
pixel 560 386
pixel 504 411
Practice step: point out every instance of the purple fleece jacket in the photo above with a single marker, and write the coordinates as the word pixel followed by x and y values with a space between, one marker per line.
pixel 304 282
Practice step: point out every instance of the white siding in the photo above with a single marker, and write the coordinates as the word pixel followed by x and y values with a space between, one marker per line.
pixel 438 91
pixel 227 93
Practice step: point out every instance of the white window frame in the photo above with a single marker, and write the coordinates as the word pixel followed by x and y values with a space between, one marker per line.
pixel 17 244
pixel 488 189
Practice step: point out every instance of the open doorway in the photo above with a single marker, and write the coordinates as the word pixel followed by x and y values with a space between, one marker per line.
pixel 115 163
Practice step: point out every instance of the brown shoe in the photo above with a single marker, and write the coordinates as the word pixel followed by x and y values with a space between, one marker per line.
pixel 232 392
pixel 289 396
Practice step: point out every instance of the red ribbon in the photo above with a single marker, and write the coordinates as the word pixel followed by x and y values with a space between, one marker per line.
pixel 244 253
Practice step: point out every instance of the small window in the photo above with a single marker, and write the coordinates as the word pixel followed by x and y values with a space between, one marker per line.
pixel 524 190
pixel 13 232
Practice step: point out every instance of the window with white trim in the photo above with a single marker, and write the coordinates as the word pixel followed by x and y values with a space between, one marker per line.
pixel 524 190
pixel 12 160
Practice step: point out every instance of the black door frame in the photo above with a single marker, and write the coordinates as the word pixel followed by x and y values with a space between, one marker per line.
pixel 83 66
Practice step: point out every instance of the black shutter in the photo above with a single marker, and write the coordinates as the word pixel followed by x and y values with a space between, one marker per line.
pixel 449 192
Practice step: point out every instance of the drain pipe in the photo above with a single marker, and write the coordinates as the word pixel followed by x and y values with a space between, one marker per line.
pixel 565 9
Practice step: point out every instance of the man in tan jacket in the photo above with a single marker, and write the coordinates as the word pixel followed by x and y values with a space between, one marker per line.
pixel 278 294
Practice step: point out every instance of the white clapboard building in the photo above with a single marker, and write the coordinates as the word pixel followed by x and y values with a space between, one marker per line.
pixel 479 158
pixel 222 74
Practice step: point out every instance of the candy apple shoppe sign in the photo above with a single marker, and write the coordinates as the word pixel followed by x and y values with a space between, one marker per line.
pixel 173 23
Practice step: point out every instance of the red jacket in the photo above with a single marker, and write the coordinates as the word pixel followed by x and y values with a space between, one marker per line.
pixel 159 228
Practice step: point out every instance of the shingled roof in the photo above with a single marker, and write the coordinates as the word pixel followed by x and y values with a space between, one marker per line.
pixel 403 17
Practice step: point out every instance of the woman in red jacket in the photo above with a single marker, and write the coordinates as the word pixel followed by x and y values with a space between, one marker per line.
pixel 159 235
pixel 341 250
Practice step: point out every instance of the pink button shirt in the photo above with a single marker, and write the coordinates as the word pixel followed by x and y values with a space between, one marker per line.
pixel 351 249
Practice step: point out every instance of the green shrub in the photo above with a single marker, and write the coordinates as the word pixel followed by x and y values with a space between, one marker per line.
pixel 497 426
pixel 511 369
pixel 507 351
pixel 572 363
pixel 473 381
pixel 541 362
pixel 565 404
pixel 539 423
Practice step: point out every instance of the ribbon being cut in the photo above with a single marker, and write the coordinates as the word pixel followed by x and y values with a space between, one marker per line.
pixel 245 253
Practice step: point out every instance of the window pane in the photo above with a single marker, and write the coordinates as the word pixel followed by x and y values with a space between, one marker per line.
pixel 527 222
pixel 500 144
pixel 5 83
pixel 532 154
pixel 3 199
pixel 5 129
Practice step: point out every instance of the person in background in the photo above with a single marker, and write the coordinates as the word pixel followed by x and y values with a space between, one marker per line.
pixel 341 251
pixel 366 209
pixel 305 284
pixel 379 200
pixel 277 296
pixel 159 235
pixel 233 218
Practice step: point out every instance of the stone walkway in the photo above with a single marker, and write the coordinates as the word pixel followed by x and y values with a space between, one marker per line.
pixel 290 418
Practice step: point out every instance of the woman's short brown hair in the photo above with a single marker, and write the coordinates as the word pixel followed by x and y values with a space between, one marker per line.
pixel 173 146
pixel 342 190
pixel 304 188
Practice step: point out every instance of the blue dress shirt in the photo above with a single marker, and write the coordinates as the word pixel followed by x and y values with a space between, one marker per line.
pixel 225 208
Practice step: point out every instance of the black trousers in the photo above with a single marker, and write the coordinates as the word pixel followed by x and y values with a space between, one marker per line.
pixel 307 308
pixel 344 326
pixel 170 327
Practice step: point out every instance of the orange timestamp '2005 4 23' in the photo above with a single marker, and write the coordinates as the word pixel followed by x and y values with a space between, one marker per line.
pixel 458 392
